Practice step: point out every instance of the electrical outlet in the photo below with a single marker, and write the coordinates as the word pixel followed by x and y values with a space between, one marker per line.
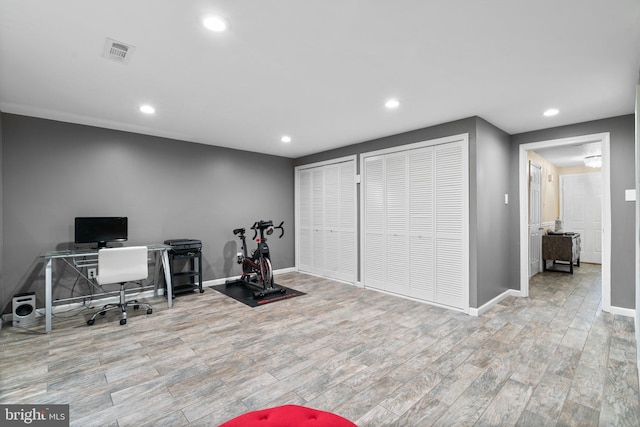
pixel 92 273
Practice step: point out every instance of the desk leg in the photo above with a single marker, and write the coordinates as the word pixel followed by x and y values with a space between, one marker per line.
pixel 156 272
pixel 47 296
pixel 167 278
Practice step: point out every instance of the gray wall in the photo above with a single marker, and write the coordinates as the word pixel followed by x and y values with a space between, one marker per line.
pixel 489 176
pixel 54 171
pixel 622 145
pixel 492 217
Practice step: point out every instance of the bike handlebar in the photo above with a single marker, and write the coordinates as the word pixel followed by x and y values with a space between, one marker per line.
pixel 281 230
pixel 263 225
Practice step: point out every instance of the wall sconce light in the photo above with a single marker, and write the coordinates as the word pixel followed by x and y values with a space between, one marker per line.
pixel 593 161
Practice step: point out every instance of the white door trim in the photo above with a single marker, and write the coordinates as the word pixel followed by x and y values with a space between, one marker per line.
pixel 606 209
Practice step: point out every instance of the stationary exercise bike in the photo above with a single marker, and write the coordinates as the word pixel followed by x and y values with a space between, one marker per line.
pixel 256 269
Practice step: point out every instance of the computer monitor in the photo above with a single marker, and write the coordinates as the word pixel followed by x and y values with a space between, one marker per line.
pixel 101 230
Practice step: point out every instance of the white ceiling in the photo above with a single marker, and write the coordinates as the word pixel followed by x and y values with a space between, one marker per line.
pixel 318 70
pixel 570 155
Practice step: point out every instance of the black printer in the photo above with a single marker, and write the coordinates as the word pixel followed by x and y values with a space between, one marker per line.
pixel 181 246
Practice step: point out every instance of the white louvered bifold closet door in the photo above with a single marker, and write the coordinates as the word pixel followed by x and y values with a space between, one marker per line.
pixel 305 226
pixel 317 221
pixel 451 284
pixel 396 224
pixel 415 218
pixel 326 209
pixel 348 260
pixel 374 229
pixel 331 235
pixel 422 224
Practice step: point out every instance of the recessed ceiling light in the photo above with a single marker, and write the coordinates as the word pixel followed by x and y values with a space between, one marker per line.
pixel 147 109
pixel 392 103
pixel 215 23
pixel 286 139
pixel 551 112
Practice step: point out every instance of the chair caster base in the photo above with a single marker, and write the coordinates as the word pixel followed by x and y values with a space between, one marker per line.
pixel 123 321
pixel 91 322
pixel 149 311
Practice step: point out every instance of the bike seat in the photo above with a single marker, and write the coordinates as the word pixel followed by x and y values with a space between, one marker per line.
pixel 239 230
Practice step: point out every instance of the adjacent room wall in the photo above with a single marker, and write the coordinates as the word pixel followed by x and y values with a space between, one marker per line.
pixel 55 171
pixel 622 157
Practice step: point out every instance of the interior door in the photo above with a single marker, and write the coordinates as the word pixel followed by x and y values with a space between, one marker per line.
pixel 581 206
pixel 535 220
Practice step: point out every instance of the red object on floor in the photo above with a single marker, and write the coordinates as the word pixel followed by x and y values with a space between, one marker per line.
pixel 288 416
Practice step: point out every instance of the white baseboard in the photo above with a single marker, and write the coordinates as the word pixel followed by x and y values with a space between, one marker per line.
pixel 485 307
pixel 629 312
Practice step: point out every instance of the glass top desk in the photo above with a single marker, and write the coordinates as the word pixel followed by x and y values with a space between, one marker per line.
pixel 79 258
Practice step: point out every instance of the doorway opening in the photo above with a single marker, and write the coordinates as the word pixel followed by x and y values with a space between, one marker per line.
pixel 603 139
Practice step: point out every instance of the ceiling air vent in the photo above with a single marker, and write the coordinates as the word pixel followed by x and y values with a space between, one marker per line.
pixel 118 51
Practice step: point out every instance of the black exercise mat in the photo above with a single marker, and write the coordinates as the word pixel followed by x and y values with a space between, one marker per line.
pixel 243 292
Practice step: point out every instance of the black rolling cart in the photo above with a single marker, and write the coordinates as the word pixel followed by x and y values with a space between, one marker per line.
pixel 186 276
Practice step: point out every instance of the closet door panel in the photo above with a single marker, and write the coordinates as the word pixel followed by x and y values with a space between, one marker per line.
pixel 449 190
pixel 331 197
pixel 396 193
pixel 348 258
pixel 449 279
pixel 397 278
pixel 396 243
pixel 348 210
pixel 421 192
pixel 317 220
pixel 422 268
pixel 331 223
pixel 304 220
pixel 331 241
pixel 421 224
pixel 374 227
pixel 450 227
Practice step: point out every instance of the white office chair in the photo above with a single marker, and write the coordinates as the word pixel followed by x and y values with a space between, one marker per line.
pixel 120 265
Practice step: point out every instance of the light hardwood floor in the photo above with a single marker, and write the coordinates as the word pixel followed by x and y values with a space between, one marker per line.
pixel 551 359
